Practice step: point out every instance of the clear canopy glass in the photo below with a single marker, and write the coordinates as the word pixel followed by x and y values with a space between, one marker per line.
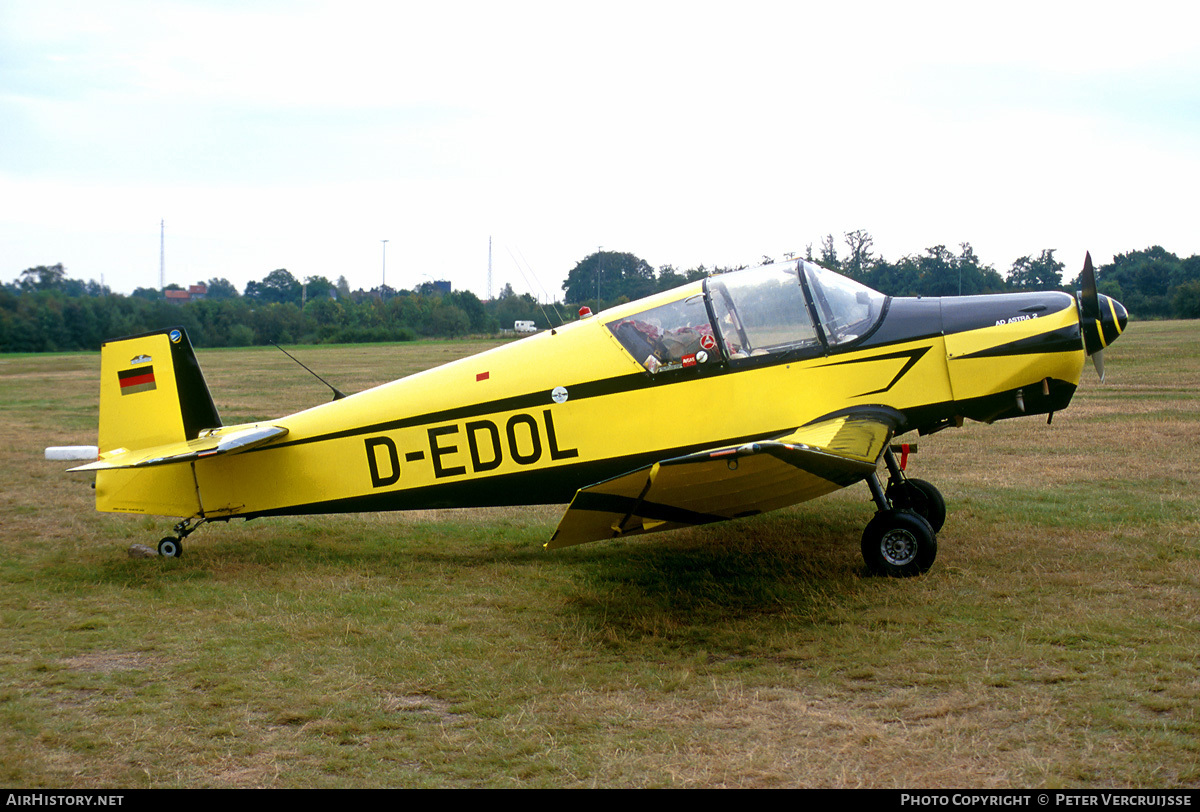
pixel 846 310
pixel 793 308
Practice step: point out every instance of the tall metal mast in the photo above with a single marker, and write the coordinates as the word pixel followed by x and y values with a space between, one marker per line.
pixel 383 281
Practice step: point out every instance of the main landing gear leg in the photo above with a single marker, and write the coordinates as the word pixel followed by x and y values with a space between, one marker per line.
pixel 917 495
pixel 901 540
pixel 172 546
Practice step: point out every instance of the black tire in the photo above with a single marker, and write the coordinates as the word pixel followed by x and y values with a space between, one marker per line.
pixel 170 547
pixel 922 498
pixel 899 544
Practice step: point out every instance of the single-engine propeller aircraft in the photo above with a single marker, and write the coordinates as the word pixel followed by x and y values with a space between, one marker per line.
pixel 724 398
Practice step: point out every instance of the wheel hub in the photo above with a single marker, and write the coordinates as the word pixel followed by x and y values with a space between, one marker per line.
pixel 899 547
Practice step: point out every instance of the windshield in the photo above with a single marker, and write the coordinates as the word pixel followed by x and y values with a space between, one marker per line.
pixel 845 309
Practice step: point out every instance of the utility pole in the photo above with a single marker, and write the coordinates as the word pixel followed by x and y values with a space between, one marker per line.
pixel 162 254
pixel 383 283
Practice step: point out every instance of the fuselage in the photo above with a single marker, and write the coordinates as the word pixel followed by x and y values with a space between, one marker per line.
pixel 727 360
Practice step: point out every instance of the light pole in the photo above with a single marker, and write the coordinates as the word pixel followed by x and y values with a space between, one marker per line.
pixel 383 282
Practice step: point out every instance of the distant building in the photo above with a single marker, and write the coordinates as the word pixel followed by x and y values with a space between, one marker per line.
pixel 192 293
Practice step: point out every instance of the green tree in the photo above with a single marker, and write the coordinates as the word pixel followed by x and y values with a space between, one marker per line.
pixel 469 304
pixel 278 287
pixel 94 288
pixel 902 278
pixel 514 308
pixel 669 278
pixel 220 289
pixel 858 264
pixel 609 275
pixel 1145 278
pixel 448 320
pixel 278 323
pixel 319 287
pixel 1186 300
pixel 43 277
pixel 149 294
pixel 327 315
pixel 1043 273
pixel 941 273
pixel 829 258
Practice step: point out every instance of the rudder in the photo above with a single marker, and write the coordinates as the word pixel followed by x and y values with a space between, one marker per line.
pixel 152 391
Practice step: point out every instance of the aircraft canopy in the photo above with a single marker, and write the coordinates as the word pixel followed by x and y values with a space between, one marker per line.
pixel 793 307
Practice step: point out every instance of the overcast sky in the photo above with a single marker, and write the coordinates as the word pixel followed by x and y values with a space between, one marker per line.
pixel 299 135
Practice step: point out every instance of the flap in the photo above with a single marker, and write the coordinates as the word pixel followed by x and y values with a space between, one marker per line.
pixel 728 483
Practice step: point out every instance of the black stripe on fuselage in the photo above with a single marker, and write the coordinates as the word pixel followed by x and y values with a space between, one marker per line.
pixel 914 355
pixel 558 484
pixel 579 391
pixel 544 486
pixel 639 381
pixel 529 400
pixel 1064 339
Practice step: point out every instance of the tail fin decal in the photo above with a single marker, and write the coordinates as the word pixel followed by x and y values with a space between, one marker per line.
pixel 152 392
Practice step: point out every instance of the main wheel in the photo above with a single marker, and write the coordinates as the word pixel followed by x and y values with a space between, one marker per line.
pixel 899 543
pixel 170 547
pixel 922 498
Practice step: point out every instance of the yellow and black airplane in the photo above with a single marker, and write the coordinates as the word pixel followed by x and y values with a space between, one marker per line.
pixel 727 397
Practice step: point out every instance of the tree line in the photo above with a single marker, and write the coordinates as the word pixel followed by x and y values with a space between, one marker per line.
pixel 45 310
pixel 1151 283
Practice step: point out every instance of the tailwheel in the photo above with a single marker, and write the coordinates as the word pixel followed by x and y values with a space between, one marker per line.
pixel 899 543
pixel 919 496
pixel 172 546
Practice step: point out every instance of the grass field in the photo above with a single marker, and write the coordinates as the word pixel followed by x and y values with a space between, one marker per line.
pixel 1053 644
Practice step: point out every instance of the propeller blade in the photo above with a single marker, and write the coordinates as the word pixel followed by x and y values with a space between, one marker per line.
pixel 1098 360
pixel 1088 299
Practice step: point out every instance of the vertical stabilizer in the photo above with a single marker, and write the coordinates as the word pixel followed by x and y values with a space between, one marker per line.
pixel 152 392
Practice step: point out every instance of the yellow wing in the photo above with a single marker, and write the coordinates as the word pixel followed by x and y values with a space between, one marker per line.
pixel 211 444
pixel 728 483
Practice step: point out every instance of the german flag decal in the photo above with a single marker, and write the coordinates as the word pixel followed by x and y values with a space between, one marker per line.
pixel 136 380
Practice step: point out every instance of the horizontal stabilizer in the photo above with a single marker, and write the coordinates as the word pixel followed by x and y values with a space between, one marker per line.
pixel 72 452
pixel 210 445
pixel 728 483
